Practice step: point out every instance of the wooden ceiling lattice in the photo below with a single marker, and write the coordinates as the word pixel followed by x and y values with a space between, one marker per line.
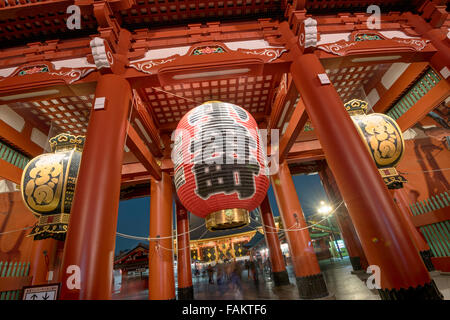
pixel 349 80
pixel 63 114
pixel 251 93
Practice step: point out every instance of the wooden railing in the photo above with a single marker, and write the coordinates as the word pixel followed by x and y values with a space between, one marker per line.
pixel 432 218
pixel 13 277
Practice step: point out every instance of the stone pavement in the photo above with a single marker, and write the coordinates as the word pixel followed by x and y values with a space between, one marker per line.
pixel 342 285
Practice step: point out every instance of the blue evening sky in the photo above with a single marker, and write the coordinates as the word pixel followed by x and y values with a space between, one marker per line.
pixel 134 214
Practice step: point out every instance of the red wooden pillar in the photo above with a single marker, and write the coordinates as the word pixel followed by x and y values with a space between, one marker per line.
pixel 124 284
pixel 44 255
pixel 199 257
pixel 325 248
pixel 402 202
pixel 310 281
pixel 161 282
pixel 185 288
pixel 356 254
pixel 384 237
pixel 279 273
pixel 90 239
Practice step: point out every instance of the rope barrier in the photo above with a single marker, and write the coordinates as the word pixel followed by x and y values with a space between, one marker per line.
pixel 156 239
pixel 2 233
pixel 299 229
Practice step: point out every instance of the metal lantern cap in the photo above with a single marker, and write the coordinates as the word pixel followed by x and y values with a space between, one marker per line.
pixel 66 141
pixel 356 107
pixel 227 219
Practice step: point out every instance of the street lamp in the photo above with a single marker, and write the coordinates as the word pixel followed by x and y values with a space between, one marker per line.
pixel 325 210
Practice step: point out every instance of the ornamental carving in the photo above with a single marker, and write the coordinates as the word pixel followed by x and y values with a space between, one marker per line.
pixel 308 34
pixel 338 48
pixel 69 75
pixel 367 37
pixel 149 66
pixel 102 53
pixel 342 48
pixel 269 54
pixel 32 70
pixel 208 50
pixel 417 44
pixel 72 75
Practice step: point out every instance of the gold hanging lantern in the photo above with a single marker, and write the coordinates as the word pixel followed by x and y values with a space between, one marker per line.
pixel 383 139
pixel 48 185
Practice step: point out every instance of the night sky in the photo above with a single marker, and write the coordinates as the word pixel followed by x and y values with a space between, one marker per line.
pixel 134 214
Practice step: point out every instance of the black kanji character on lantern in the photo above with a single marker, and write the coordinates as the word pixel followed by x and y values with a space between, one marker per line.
pixel 222 154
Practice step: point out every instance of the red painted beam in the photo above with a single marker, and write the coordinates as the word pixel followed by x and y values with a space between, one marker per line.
pixel 435 216
pixel 441 263
pixel 134 169
pixel 426 104
pixel 144 125
pixel 20 140
pixel 400 85
pixel 305 151
pixel 140 150
pixel 10 172
pixel 283 100
pixel 296 124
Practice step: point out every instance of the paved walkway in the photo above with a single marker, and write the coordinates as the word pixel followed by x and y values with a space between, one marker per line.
pixel 342 285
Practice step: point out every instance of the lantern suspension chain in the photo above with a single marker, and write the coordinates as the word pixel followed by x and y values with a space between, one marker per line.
pixel 299 229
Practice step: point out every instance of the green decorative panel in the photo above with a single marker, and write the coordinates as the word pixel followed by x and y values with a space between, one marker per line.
pixel 426 82
pixel 437 234
pixel 12 156
pixel 16 270
pixel 436 202
pixel 367 37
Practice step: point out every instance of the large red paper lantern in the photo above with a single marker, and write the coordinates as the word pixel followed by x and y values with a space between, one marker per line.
pixel 220 164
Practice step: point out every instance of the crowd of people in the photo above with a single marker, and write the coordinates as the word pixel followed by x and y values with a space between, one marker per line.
pixel 229 274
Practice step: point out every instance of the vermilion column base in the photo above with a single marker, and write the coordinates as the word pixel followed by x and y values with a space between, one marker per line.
pixel 356 263
pixel 186 293
pixel 312 287
pixel 428 291
pixel 310 281
pixel 426 257
pixel 280 278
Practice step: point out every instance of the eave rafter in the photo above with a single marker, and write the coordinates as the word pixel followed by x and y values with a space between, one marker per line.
pixel 142 153
pixel 284 102
pixel 295 126
pixel 142 121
